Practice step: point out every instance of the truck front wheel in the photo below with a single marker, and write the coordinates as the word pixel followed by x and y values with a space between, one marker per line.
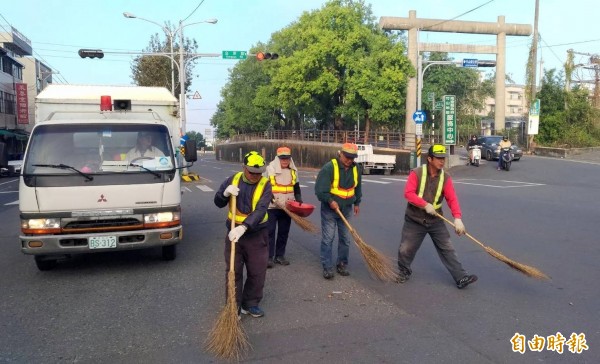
pixel 43 263
pixel 169 252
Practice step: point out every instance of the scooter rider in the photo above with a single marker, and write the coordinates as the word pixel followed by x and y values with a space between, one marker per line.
pixel 504 143
pixel 472 142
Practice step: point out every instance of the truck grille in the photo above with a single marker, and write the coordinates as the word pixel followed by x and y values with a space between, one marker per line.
pixel 102 225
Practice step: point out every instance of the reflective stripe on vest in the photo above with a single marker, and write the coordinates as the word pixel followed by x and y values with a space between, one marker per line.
pixel 283 188
pixel 436 200
pixel 240 216
pixel 336 190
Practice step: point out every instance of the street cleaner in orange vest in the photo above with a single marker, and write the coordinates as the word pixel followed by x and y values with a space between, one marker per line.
pixel 283 175
pixel 253 193
pixel 338 185
pixel 425 189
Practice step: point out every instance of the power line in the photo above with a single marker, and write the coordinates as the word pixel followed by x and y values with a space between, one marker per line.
pixel 458 16
pixel 192 13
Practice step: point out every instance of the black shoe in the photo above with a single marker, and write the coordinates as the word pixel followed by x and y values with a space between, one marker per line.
pixel 328 273
pixel 466 280
pixel 270 263
pixel 401 277
pixel 341 269
pixel 282 261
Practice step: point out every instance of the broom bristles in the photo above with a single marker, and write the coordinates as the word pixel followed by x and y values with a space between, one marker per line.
pixel 379 265
pixel 524 268
pixel 302 222
pixel 227 338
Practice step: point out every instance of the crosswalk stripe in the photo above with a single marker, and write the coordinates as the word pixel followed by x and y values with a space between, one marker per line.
pixel 204 188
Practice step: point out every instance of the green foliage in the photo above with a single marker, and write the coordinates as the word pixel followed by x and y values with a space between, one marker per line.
pixel 155 70
pixel 199 138
pixel 334 64
pixel 462 82
pixel 566 117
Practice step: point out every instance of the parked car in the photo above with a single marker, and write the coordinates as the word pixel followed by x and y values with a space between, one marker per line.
pixel 490 149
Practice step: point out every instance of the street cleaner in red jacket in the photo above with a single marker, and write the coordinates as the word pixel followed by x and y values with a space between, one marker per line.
pixel 425 189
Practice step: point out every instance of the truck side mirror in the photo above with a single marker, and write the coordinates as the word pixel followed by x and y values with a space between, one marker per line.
pixel 191 154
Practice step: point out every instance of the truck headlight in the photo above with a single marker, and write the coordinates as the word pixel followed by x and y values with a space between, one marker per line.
pixel 40 226
pixel 162 219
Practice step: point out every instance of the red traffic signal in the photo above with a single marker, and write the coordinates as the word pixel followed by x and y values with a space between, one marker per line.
pixel 262 55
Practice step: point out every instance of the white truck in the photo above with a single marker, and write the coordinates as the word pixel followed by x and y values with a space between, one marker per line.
pixel 370 161
pixel 80 190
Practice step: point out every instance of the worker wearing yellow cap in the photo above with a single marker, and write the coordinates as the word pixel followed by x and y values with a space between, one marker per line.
pixel 283 175
pixel 254 194
pixel 338 186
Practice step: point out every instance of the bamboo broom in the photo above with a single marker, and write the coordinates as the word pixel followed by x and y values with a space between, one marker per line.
pixel 378 264
pixel 302 222
pixel 227 338
pixel 523 268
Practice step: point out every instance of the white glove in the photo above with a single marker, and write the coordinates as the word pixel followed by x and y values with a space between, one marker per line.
pixel 231 190
pixel 236 233
pixel 430 209
pixel 459 227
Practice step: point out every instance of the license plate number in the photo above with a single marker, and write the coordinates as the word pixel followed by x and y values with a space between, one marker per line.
pixel 102 242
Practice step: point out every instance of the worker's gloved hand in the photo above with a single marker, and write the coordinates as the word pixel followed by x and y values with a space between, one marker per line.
pixel 236 233
pixel 231 190
pixel 430 209
pixel 298 198
pixel 459 227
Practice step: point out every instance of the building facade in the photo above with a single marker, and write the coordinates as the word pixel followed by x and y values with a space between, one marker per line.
pixel 515 112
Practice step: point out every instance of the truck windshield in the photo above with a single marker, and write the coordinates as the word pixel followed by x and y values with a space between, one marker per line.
pixel 99 149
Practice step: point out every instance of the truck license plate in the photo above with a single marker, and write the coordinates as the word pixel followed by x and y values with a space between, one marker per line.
pixel 102 242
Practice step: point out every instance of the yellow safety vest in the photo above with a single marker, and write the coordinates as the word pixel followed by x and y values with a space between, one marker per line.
pixel 336 190
pixel 240 216
pixel 437 202
pixel 277 188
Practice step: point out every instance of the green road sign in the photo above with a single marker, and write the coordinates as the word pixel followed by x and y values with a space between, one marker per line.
pixel 439 105
pixel 430 96
pixel 535 107
pixel 449 120
pixel 235 54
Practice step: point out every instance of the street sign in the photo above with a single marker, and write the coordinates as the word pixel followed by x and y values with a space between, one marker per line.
pixel 235 54
pixel 196 96
pixel 430 96
pixel 419 129
pixel 439 105
pixel 470 62
pixel 449 120
pixel 534 118
pixel 419 116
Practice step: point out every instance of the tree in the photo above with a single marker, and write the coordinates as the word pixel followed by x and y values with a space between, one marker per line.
pixel 199 138
pixel 334 64
pixel 149 70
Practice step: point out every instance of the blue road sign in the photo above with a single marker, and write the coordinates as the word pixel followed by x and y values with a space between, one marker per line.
pixel 419 116
pixel 470 62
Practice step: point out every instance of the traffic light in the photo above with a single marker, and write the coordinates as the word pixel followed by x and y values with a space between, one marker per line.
pixel 486 63
pixel 262 55
pixel 91 53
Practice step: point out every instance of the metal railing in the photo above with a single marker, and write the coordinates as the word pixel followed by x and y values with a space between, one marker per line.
pixel 392 140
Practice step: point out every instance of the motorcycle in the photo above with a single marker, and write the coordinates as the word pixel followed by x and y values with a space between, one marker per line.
pixel 507 156
pixel 474 155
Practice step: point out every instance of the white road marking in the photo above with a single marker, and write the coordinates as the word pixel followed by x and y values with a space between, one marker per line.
pixel 372 181
pixel 204 188
pixel 12 203
pixel 187 189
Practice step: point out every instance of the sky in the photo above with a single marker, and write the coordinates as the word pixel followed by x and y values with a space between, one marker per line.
pixel 59 28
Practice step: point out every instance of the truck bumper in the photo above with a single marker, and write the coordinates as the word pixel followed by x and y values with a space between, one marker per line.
pixel 78 243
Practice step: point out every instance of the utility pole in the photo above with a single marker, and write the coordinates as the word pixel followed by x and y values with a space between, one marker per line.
pixel 534 57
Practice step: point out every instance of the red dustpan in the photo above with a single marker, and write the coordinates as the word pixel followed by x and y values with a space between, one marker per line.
pixel 303 210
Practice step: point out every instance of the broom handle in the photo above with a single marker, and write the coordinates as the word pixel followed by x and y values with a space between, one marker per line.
pixel 344 219
pixel 466 233
pixel 233 212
